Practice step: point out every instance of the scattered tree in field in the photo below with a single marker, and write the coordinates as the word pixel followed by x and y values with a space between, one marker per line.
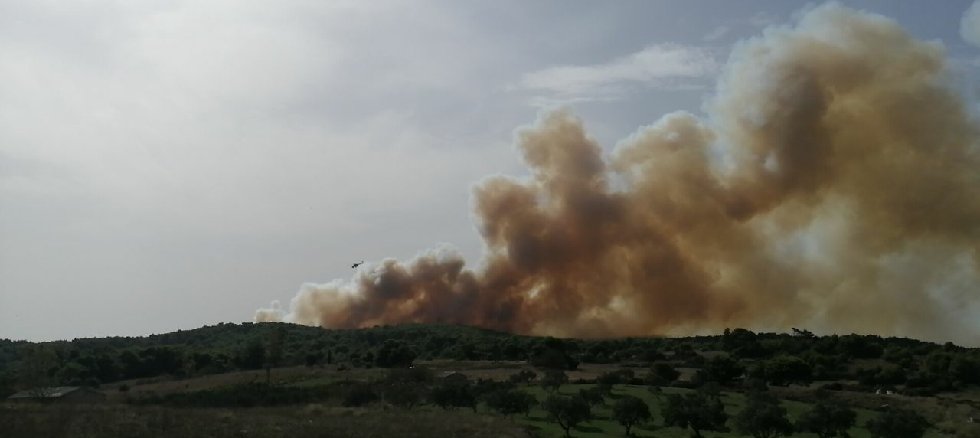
pixel 661 375
pixel 604 388
pixel 784 370
pixel 593 396
pixel 698 410
pixel 763 417
pixel 510 401
pixel 566 411
pixel 630 411
pixel 827 420
pixel 897 423
pixel 553 379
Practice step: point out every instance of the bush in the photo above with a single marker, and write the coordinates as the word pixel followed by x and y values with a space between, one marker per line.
pixel 510 401
pixel 897 423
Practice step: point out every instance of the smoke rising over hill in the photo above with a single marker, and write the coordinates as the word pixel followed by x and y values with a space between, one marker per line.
pixel 834 184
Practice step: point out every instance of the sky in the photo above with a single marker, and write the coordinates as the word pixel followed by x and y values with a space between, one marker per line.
pixel 166 165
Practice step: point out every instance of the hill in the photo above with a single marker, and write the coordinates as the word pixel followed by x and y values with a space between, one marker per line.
pixel 867 361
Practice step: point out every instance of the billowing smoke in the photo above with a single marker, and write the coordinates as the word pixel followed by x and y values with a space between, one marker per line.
pixel 835 184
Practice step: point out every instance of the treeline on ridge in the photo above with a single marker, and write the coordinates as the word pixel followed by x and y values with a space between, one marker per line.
pixel 867 362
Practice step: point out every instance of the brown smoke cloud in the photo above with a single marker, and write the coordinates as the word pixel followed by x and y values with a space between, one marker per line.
pixel 834 185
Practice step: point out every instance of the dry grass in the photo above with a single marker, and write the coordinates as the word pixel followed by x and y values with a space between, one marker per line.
pixel 112 420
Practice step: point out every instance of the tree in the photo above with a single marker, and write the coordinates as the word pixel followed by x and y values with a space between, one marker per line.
pixel 593 396
pixel 251 357
pixel 897 423
pixel 525 377
pixel 763 417
pixel 721 369
pixel 510 401
pixel 453 394
pixel 697 410
pixel 273 351
pixel 630 411
pixel 394 354
pixel 827 420
pixel 553 379
pixel 555 359
pixel 662 374
pixel 36 365
pixel 784 370
pixel 566 411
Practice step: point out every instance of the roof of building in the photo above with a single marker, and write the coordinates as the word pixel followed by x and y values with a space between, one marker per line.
pixel 51 392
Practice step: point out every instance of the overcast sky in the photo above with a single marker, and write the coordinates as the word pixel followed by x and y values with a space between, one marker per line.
pixel 170 164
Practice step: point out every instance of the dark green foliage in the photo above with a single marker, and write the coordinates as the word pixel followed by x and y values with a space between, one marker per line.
pixel 404 394
pixel 566 411
pixel 827 420
pixel 897 423
pixel 743 343
pixel 510 401
pixel 485 386
pixel 630 411
pixel 594 395
pixel 450 394
pixel 925 368
pixel 887 375
pixel 721 369
pixel 553 380
pixel 860 347
pixel 394 354
pixel 604 388
pixel 965 369
pixel 273 351
pixel 661 374
pixel 553 359
pixel 698 411
pixel 763 417
pixel 525 377
pixel 252 357
pixel 783 370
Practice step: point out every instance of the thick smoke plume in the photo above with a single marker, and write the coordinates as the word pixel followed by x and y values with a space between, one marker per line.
pixel 835 184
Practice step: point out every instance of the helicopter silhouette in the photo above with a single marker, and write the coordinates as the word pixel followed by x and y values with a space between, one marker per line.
pixel 355 265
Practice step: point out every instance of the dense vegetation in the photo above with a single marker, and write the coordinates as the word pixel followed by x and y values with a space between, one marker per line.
pixel 740 382
pixel 853 362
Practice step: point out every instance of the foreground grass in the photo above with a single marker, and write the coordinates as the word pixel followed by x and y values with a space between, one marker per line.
pixel 96 421
pixel 602 424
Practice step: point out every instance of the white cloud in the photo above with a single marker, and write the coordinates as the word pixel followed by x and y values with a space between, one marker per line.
pixel 654 65
pixel 970 24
